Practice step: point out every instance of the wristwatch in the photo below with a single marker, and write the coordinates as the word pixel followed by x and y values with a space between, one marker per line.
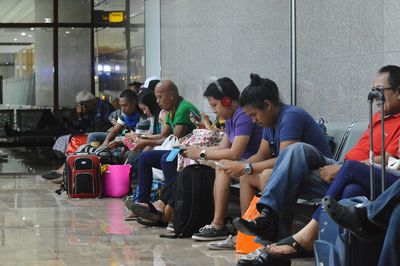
pixel 248 169
pixel 203 155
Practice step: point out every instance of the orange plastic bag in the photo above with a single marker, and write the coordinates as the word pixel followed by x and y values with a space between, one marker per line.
pixel 244 243
pixel 74 143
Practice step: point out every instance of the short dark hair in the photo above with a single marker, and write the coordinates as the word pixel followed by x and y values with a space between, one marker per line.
pixel 129 95
pixel 228 87
pixel 259 90
pixel 152 84
pixel 135 84
pixel 394 75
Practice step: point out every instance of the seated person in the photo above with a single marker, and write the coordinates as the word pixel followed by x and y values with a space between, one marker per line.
pixel 283 125
pixel 240 141
pixel 130 116
pixel 381 216
pixel 301 169
pixel 92 116
pixel 148 105
pixel 177 123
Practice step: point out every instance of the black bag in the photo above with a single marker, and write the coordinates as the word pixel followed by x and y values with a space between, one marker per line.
pixel 194 200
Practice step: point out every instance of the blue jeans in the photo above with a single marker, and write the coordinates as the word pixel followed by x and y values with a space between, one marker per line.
pixel 353 180
pixel 96 136
pixel 147 161
pixel 295 175
pixel 385 212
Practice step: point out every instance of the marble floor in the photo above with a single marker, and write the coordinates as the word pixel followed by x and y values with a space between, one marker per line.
pixel 39 227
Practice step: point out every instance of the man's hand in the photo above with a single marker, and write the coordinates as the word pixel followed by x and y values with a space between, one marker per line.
pixel 328 172
pixel 233 168
pixel 140 145
pixel 113 145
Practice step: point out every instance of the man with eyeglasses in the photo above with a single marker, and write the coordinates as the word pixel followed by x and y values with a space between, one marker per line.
pixel 297 166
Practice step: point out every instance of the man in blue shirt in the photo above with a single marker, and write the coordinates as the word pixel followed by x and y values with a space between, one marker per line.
pixel 285 127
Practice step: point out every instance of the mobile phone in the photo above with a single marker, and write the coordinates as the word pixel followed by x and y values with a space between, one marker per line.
pixel 218 164
pixel 196 116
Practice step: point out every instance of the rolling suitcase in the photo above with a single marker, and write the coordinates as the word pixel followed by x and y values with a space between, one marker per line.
pixel 82 176
pixel 337 246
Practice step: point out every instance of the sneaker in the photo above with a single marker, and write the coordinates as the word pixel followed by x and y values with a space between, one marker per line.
pixel 227 244
pixel 209 233
pixel 251 256
pixel 170 227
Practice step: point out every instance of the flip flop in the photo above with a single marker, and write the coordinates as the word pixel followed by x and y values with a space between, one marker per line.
pixel 150 223
pixel 51 175
pixel 148 213
pixel 300 251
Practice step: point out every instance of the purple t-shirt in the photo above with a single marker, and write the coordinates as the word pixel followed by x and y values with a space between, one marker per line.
pixel 241 125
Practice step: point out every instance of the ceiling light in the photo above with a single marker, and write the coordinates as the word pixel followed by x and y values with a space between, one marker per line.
pixel 32 28
pixel 15 39
pixel 30 36
pixel 23 33
pixel 67 32
pixel 47 20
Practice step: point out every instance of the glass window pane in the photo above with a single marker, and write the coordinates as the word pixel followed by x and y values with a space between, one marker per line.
pixel 74 63
pixel 74 11
pixel 110 60
pixel 26 64
pixel 26 11
pixel 137 41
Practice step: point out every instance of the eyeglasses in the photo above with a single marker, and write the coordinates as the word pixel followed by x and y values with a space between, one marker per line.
pixel 381 88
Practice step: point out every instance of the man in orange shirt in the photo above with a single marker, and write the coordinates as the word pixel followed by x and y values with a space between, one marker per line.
pixel 302 172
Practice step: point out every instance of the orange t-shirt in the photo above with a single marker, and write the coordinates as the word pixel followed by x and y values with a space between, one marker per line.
pixel 360 151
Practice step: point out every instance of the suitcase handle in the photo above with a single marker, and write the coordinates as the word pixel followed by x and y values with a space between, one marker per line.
pixel 376 93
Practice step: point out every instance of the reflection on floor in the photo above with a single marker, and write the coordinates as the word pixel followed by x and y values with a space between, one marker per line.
pixel 38 227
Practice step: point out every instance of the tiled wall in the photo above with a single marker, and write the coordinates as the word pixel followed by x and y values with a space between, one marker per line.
pixel 340 46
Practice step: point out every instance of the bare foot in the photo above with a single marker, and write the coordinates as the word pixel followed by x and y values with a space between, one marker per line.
pixel 305 237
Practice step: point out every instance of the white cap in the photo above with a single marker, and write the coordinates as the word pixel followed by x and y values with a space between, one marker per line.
pixel 147 81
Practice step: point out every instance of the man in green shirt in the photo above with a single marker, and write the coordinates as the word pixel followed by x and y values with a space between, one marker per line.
pixel 178 115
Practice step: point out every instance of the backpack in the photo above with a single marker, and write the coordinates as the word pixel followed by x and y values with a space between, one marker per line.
pixel 194 200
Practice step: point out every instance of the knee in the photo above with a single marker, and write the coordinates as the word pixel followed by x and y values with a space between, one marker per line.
pixel 350 166
pixel 144 157
pixel 353 190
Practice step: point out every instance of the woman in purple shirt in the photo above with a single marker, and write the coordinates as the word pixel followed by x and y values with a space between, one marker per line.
pixel 241 141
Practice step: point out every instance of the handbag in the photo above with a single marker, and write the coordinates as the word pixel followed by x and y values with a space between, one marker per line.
pixel 169 143
pixel 200 137
pixel 244 243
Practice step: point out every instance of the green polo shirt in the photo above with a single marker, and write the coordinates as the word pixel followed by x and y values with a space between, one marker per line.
pixel 182 116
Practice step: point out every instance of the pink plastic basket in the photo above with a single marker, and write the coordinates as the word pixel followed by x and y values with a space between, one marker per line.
pixel 116 180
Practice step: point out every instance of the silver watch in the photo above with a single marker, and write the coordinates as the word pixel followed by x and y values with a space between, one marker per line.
pixel 248 169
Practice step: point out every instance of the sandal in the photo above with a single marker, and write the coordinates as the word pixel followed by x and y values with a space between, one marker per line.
pixel 149 223
pixel 300 251
pixel 148 213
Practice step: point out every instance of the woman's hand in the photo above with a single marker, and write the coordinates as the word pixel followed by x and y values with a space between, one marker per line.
pixel 192 152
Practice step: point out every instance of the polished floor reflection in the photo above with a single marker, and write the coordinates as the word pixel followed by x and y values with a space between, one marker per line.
pixel 39 227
